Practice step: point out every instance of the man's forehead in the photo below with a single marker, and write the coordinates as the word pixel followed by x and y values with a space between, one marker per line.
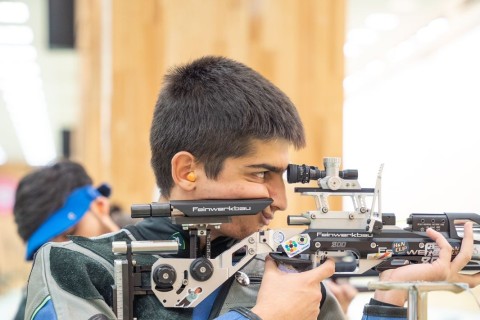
pixel 268 155
pixel 278 148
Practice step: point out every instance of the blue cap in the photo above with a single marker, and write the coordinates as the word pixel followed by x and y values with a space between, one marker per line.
pixel 76 205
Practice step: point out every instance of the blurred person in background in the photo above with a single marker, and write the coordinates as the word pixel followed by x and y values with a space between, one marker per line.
pixel 58 201
pixel 120 217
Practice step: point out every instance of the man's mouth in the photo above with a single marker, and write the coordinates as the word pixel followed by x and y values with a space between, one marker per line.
pixel 266 218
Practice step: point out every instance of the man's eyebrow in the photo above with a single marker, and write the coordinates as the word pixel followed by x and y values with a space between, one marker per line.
pixel 267 167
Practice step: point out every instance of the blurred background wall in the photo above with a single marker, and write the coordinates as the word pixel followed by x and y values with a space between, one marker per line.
pixel 389 82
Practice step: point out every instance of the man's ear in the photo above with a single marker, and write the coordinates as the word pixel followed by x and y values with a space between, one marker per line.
pixel 183 170
pixel 101 206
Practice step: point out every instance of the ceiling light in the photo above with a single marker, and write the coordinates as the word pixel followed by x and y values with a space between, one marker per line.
pixel 17 53
pixel 404 6
pixel 353 82
pixel 402 51
pixel 28 114
pixel 362 36
pixel 19 68
pixel 29 118
pixel 433 30
pixel 351 50
pixel 375 68
pixel 19 84
pixel 382 21
pixel 15 35
pixel 22 90
pixel 13 12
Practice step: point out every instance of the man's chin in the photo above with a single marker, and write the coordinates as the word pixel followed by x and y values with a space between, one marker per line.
pixel 265 222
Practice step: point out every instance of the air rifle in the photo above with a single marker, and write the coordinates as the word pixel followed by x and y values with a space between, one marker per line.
pixel 359 240
pixel 364 239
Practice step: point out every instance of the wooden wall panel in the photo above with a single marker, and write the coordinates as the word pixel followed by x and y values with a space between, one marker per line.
pixel 88 146
pixel 295 44
pixel 135 86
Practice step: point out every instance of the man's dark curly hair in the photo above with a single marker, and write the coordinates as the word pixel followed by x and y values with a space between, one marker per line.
pixel 213 107
pixel 44 191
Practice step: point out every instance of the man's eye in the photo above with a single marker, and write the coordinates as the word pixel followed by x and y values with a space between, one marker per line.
pixel 260 175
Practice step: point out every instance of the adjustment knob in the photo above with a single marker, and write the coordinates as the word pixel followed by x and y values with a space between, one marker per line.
pixel 201 269
pixel 164 276
pixel 334 183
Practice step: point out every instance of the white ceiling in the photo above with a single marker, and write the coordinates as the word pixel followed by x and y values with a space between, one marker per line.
pixel 60 74
pixel 423 27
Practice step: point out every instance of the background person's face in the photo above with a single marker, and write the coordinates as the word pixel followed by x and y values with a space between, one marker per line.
pixel 95 222
pixel 257 175
pixel 88 226
pixel 91 225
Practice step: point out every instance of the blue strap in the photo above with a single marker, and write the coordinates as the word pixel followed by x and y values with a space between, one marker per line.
pixel 202 311
pixel 47 312
pixel 75 207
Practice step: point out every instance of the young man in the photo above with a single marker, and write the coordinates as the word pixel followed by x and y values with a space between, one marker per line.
pixel 56 201
pixel 220 131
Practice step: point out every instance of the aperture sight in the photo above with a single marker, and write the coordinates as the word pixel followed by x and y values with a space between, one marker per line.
pixel 331 178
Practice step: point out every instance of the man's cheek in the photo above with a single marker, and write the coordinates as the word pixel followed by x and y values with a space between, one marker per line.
pixel 250 190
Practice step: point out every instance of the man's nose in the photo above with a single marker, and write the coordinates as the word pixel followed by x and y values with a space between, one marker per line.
pixel 278 194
